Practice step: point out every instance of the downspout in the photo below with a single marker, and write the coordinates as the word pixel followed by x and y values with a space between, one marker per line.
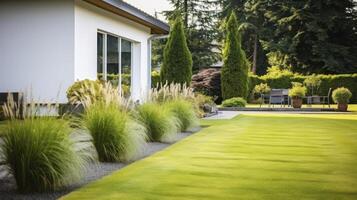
pixel 149 41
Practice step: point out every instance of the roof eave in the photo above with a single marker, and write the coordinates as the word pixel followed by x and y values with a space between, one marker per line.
pixel 126 10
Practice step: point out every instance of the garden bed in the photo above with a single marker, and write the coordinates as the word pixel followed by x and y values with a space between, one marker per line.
pixel 95 171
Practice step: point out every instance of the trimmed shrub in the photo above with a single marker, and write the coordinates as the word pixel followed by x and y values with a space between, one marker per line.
pixel 327 81
pixel 116 136
pixel 235 68
pixel 177 61
pixel 40 154
pixel 284 81
pixel 341 95
pixel 161 124
pixel 184 111
pixel 234 102
pixel 262 88
pixel 297 91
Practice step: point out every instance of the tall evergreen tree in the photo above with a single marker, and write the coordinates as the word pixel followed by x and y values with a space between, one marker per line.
pixel 234 78
pixel 251 20
pixel 200 21
pixel 177 60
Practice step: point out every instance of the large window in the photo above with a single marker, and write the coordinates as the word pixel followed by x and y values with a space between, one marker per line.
pixel 114 61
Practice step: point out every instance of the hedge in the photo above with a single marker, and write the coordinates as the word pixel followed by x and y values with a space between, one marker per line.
pixel 284 81
pixel 327 81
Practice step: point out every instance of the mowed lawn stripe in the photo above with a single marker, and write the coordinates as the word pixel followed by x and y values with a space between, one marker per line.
pixel 253 156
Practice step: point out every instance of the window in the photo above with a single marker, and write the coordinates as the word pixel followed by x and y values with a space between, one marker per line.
pixel 126 66
pixel 114 61
pixel 100 56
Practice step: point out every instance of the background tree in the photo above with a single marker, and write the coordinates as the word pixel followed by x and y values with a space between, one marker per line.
pixel 200 20
pixel 177 60
pixel 235 68
pixel 251 18
pixel 157 48
pixel 313 36
pixel 307 36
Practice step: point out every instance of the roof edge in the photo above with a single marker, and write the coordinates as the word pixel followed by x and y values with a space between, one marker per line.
pixel 129 11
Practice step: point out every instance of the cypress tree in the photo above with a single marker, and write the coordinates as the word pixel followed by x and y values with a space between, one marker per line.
pixel 234 78
pixel 177 61
pixel 201 27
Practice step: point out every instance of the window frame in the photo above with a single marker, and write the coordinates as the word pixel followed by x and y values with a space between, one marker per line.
pixel 104 50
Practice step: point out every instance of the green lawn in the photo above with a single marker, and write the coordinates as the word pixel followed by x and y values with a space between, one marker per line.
pixel 270 156
pixel 351 107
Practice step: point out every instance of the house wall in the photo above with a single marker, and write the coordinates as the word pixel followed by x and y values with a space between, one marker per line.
pixel 88 20
pixel 37 47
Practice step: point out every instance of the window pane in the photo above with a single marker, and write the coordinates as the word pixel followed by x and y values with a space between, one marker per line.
pixel 100 43
pixel 112 60
pixel 126 66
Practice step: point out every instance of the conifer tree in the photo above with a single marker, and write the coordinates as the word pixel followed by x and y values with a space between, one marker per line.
pixel 200 22
pixel 177 61
pixel 234 78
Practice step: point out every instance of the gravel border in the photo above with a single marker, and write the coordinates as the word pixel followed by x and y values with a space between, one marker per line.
pixel 95 171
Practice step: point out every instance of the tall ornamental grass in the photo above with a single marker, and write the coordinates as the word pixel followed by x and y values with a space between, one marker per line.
pixel 166 92
pixel 116 136
pixel 185 112
pixel 161 124
pixel 40 154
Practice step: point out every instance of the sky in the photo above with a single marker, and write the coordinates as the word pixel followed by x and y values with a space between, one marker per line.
pixel 150 6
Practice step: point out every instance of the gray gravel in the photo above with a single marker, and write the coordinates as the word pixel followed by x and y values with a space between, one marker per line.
pixel 95 171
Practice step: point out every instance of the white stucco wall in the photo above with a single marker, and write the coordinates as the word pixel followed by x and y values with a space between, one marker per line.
pixel 47 45
pixel 88 20
pixel 37 47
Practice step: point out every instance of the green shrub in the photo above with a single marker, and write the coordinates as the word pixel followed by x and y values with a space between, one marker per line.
pixel 312 83
pixel 297 91
pixel 161 124
pixel 177 60
pixel 262 88
pixel 116 136
pixel 185 112
pixel 81 90
pixel 234 102
pixel 327 81
pixel 234 78
pixel 40 154
pixel 341 95
pixel 155 79
pixel 200 103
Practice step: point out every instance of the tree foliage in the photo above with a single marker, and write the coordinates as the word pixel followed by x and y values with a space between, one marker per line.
pixel 177 60
pixel 235 68
pixel 201 22
pixel 307 36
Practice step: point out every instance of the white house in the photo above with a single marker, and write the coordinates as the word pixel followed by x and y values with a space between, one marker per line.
pixel 46 45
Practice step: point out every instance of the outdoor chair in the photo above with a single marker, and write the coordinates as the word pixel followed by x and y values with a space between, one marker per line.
pixel 276 97
pixel 327 98
pixel 315 99
pixel 286 97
